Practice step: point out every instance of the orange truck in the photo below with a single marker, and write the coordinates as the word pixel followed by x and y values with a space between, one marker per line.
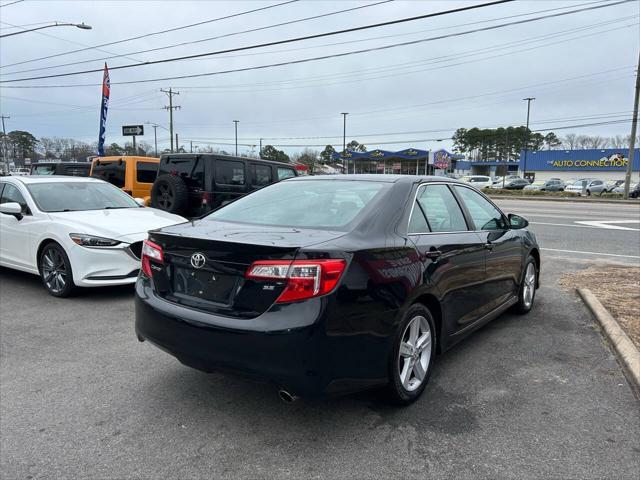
pixel 134 175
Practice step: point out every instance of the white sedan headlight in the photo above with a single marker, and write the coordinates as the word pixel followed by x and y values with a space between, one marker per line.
pixel 92 240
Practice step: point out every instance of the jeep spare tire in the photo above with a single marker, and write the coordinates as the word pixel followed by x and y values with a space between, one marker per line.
pixel 169 193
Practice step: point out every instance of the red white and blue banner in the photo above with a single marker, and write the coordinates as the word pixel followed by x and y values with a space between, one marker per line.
pixel 104 106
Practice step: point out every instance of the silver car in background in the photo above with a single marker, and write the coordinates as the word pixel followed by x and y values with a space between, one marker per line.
pixel 590 186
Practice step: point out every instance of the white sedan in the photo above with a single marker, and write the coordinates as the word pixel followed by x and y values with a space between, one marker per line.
pixel 74 231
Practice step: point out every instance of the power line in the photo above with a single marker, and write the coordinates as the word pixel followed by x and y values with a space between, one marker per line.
pixel 71 41
pixel 12 3
pixel 146 35
pixel 281 42
pixel 192 42
pixel 306 60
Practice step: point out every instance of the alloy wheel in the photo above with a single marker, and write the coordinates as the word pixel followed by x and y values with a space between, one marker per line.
pixel 414 354
pixel 166 196
pixel 529 285
pixel 54 270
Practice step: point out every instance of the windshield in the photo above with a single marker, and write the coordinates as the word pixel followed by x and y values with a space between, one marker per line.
pixel 317 204
pixel 79 196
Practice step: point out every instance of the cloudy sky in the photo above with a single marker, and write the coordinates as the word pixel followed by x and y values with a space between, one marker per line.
pixel 580 67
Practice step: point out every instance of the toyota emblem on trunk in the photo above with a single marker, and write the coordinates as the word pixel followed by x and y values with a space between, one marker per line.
pixel 198 260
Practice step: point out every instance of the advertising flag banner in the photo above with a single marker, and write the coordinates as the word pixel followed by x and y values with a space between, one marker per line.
pixel 104 106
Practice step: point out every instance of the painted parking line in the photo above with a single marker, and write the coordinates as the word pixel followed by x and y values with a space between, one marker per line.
pixel 591 253
pixel 610 224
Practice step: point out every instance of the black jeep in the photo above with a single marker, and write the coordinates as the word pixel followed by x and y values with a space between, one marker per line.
pixel 192 185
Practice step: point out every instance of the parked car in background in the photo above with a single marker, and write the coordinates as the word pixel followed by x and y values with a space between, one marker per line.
pixel 611 185
pixel 134 175
pixel 499 180
pixel 73 231
pixel 331 284
pixel 74 169
pixel 634 190
pixel 20 171
pixel 593 186
pixel 517 184
pixel 192 185
pixel 478 181
pixel 546 186
pixel 569 181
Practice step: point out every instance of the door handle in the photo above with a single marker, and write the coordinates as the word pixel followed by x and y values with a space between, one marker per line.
pixel 489 246
pixel 433 254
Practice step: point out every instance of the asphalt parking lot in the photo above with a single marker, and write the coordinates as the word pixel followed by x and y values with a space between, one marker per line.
pixel 524 397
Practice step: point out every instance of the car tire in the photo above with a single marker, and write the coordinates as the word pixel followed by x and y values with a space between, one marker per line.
pixel 411 356
pixel 588 193
pixel 170 193
pixel 55 270
pixel 528 285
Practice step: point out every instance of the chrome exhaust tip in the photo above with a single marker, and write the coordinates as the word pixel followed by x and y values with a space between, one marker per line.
pixel 287 397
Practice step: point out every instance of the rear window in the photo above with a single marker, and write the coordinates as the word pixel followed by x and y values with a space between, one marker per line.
pixel 112 172
pixel 315 204
pixel 229 172
pixel 146 172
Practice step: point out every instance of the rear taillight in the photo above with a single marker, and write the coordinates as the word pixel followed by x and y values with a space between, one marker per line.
pixel 207 198
pixel 151 252
pixel 304 278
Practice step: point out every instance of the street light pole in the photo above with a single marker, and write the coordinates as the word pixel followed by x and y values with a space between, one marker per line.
pixel 344 141
pixel 4 143
pixel 526 145
pixel 236 128
pixel 632 140
pixel 81 26
pixel 260 151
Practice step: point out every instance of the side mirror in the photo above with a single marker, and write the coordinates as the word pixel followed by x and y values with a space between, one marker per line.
pixel 139 201
pixel 517 222
pixel 11 208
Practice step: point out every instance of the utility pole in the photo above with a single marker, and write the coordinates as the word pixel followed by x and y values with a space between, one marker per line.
pixel 177 145
pixel 344 141
pixel 526 145
pixel 4 143
pixel 171 108
pixel 260 151
pixel 632 140
pixel 155 137
pixel 190 146
pixel 236 127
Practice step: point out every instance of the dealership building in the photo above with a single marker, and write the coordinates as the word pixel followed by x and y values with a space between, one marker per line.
pixel 605 164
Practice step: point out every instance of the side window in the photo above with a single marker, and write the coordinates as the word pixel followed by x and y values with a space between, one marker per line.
pixel 285 173
pixel 261 174
pixel 146 172
pixel 597 182
pixel 112 172
pixel 11 194
pixel 441 209
pixel 484 215
pixel 229 172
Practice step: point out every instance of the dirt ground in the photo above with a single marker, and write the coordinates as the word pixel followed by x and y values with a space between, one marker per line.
pixel 618 288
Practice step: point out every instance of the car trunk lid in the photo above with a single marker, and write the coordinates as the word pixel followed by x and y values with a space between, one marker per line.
pixel 205 264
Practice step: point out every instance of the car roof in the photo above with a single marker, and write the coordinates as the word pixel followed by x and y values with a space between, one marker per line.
pixel 31 179
pixel 85 164
pixel 373 177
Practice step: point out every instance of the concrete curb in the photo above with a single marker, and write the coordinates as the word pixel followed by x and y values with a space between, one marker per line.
pixel 564 199
pixel 622 344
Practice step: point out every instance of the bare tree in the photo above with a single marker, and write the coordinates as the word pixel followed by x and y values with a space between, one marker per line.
pixel 582 141
pixel 596 142
pixel 570 141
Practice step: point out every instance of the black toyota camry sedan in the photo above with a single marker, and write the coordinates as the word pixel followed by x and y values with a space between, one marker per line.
pixel 326 285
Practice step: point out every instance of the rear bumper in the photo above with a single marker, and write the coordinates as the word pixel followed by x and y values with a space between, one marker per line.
pixel 290 346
